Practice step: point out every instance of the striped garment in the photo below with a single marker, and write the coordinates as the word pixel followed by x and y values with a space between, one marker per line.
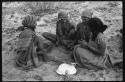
pixel 29 21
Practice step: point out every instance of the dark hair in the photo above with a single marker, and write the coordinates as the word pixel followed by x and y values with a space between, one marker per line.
pixel 96 26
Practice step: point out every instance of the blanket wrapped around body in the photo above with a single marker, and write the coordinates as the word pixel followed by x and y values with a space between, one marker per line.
pixel 27 57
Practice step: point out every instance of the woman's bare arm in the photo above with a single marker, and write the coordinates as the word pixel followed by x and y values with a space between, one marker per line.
pixel 99 50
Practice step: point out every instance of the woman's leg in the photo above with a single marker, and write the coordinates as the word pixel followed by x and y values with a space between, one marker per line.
pixel 85 58
pixel 50 37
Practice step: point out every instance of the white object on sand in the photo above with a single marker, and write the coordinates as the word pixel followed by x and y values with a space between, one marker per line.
pixel 64 69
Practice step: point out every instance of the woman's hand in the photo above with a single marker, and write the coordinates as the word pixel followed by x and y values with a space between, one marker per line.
pixel 94 47
pixel 92 43
pixel 83 43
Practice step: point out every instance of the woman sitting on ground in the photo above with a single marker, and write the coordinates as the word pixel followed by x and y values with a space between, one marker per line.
pixel 29 50
pixel 65 32
pixel 92 54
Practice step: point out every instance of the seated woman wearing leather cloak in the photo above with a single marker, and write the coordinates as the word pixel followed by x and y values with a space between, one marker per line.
pixel 65 32
pixel 91 54
pixel 30 51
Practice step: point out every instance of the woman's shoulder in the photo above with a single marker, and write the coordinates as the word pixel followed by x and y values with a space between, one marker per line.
pixel 26 33
pixel 81 25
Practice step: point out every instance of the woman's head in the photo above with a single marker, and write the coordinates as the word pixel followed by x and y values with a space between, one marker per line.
pixel 62 15
pixel 96 26
pixel 86 15
pixel 30 21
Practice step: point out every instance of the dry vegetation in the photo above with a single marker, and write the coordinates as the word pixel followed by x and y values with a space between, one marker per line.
pixel 12 15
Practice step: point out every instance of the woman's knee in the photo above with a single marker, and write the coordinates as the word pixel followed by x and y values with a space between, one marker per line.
pixel 76 47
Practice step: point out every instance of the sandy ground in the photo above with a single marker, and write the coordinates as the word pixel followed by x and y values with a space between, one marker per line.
pixel 112 16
